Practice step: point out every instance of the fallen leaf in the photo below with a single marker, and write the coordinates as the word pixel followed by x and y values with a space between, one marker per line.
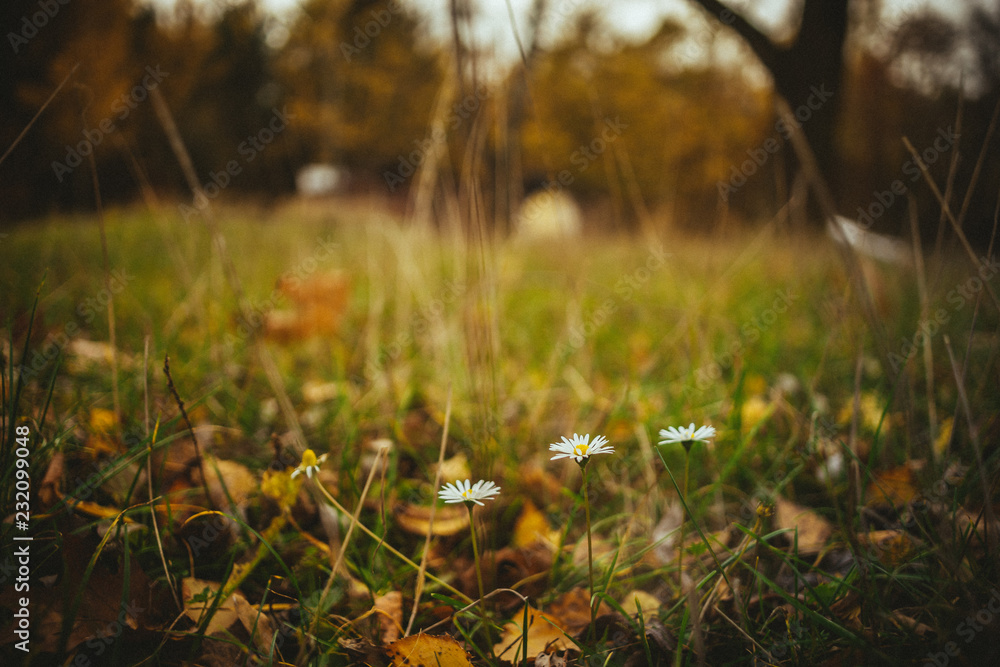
pixel 390 615
pixel 532 526
pixel 199 596
pixel 910 623
pixel 640 600
pixel 571 610
pixel 893 547
pixel 544 634
pixel 813 530
pixel 454 469
pixel 896 487
pixel 427 651
pixel 237 479
pixel 448 520
pixel 257 624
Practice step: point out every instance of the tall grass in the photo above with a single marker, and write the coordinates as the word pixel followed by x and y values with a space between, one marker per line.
pixel 534 342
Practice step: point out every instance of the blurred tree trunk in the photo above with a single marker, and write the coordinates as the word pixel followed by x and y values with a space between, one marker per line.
pixel 808 70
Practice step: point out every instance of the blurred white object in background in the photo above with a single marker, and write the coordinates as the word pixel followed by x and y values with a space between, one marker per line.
pixel 320 180
pixel 868 243
pixel 549 214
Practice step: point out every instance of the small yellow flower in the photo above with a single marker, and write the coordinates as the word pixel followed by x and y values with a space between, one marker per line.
pixel 310 464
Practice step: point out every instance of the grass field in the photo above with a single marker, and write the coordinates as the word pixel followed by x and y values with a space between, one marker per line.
pixel 842 514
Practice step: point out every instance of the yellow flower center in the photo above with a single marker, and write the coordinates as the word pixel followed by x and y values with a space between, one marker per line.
pixel 581 450
pixel 466 493
pixel 308 458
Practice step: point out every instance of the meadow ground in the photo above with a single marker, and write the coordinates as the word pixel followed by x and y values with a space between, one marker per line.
pixel 843 513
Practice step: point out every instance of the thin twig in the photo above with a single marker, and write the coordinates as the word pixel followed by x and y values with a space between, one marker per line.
pixel 39 112
pixel 974 437
pixel 184 414
pixel 951 218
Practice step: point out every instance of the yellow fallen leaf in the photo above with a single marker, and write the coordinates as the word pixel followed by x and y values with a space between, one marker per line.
pixel 641 600
pixel 532 526
pixel 427 651
pixel 544 634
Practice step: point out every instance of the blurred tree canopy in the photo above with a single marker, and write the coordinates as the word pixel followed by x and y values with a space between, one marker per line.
pixel 628 126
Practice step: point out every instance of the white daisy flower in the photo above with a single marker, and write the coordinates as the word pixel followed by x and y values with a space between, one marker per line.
pixel 310 464
pixel 580 447
pixel 686 436
pixel 465 492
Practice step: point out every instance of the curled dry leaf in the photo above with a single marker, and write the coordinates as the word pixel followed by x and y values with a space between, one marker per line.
pixel 448 520
pixel 390 615
pixel 427 651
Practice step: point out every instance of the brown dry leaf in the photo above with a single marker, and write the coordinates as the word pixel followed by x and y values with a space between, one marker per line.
pixel 813 530
pixel 448 520
pixel 51 488
pixel 239 482
pixel 257 624
pixel 894 547
pixel 225 614
pixel 544 634
pixel 390 615
pixel 427 651
pixel 910 623
pixel 896 487
pixel 532 526
pixel 572 610
pixel 318 304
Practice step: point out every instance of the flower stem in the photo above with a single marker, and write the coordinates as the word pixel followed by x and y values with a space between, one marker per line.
pixel 475 552
pixel 680 545
pixel 590 551
pixel 479 579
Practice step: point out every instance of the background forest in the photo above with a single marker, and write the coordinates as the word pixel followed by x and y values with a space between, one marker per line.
pixel 363 84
